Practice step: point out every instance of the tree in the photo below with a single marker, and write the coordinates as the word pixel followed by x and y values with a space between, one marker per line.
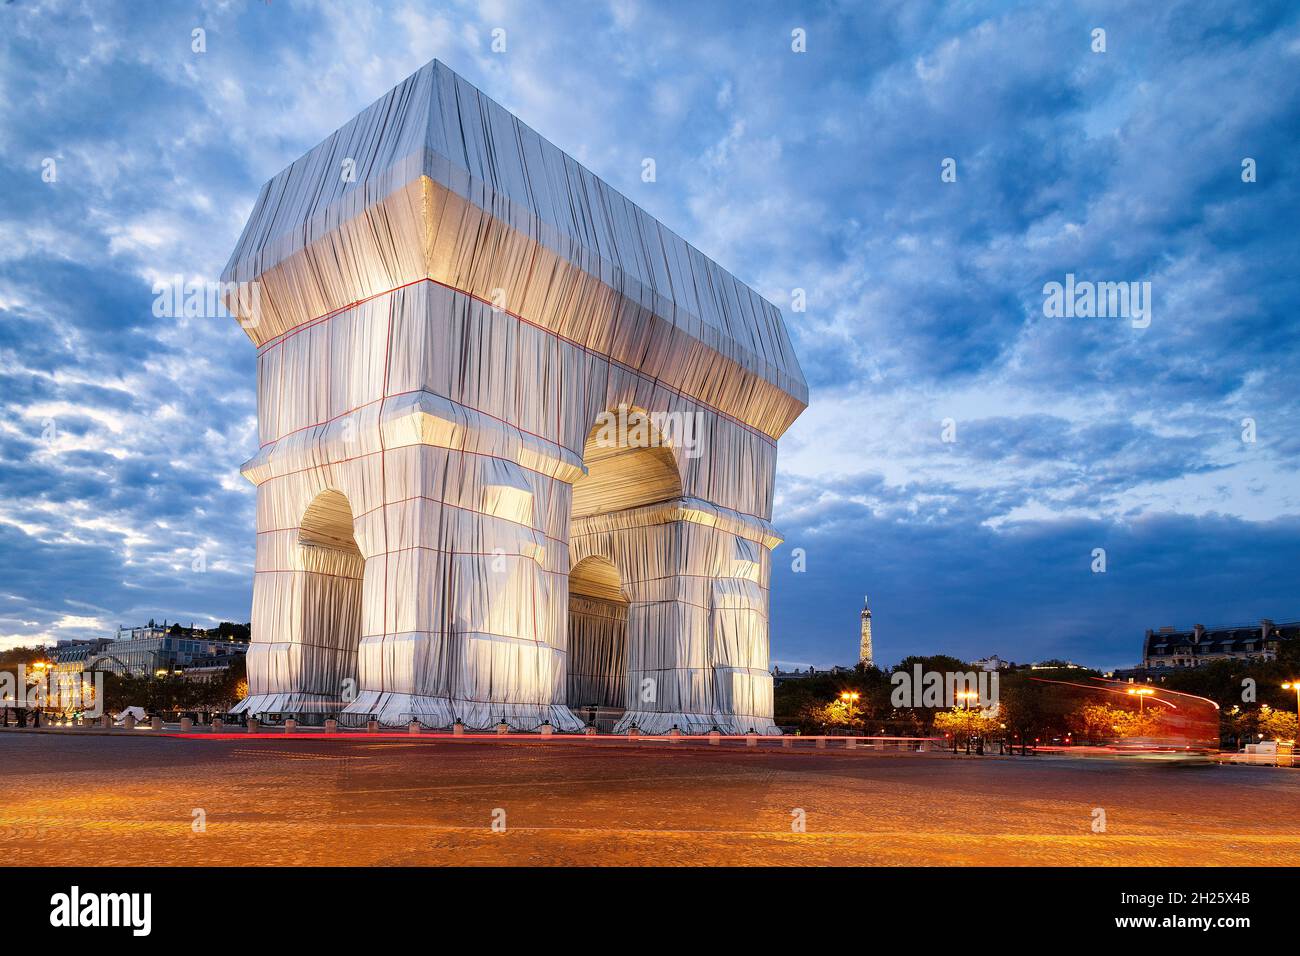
pixel 966 722
pixel 227 630
pixel 1277 724
pixel 837 714
pixel 1099 722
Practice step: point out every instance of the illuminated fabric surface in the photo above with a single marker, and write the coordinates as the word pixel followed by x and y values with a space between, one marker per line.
pixel 446 306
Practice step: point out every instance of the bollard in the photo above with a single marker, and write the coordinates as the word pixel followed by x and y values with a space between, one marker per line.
pixel 923 747
pixel 878 743
pixel 850 743
pixel 589 730
pixel 290 725
pixel 105 721
pixel 413 727
pixel 821 743
pixel 458 728
pixel 186 725
pixel 155 723
pixel 129 722
pixel 251 724
pixel 331 725
pixel 633 732
pixel 674 733
pixel 787 741
pixel 715 737
pixel 546 729
pixel 372 726
pixel 503 727
pixel 217 725
pixel 751 738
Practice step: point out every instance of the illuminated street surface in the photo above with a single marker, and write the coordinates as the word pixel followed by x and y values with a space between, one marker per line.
pixel 100 800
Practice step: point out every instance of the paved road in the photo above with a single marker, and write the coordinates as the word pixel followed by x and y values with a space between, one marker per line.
pixel 93 800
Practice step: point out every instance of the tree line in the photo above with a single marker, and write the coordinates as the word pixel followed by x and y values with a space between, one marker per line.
pixel 1044 704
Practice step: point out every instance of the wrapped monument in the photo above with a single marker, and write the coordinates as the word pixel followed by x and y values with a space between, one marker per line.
pixel 518 439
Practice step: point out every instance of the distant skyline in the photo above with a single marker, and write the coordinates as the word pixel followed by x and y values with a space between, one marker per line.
pixel 121 433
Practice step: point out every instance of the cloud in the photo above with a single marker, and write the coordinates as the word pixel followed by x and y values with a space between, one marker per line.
pixel 121 434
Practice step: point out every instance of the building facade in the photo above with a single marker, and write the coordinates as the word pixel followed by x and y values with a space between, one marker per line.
pixel 780 677
pixel 149 650
pixel 1169 647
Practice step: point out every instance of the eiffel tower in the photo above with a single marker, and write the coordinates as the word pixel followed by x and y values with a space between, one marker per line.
pixel 864 648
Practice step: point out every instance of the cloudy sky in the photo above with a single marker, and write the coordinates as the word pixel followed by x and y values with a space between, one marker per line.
pixel 121 434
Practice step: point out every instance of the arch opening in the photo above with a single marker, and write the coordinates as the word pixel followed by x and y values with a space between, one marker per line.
pixel 332 570
pixel 629 464
pixel 327 523
pixel 597 674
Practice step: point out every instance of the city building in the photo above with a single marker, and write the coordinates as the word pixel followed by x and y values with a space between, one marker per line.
pixel 1056 665
pixel 866 656
pixel 1169 647
pixel 780 677
pixel 150 649
pixel 517 438
pixel 992 663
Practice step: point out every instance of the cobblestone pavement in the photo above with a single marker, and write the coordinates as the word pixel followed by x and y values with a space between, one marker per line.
pixel 67 799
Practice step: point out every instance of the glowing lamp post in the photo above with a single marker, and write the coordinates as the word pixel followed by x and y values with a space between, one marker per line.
pixel 1295 686
pixel 849 698
pixel 1142 693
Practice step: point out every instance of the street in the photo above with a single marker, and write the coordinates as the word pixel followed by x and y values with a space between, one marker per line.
pixel 81 799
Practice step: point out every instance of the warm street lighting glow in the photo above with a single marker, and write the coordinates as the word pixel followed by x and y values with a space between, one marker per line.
pixel 849 695
pixel 1142 693
pixel 1294 685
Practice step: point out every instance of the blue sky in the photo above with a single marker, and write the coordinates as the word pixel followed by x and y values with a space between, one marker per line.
pixel 121 434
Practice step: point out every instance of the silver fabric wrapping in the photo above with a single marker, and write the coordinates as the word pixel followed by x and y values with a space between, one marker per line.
pixel 437 336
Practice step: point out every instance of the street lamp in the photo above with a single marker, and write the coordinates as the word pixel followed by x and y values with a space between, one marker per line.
pixel 1295 686
pixel 849 697
pixel 1142 693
